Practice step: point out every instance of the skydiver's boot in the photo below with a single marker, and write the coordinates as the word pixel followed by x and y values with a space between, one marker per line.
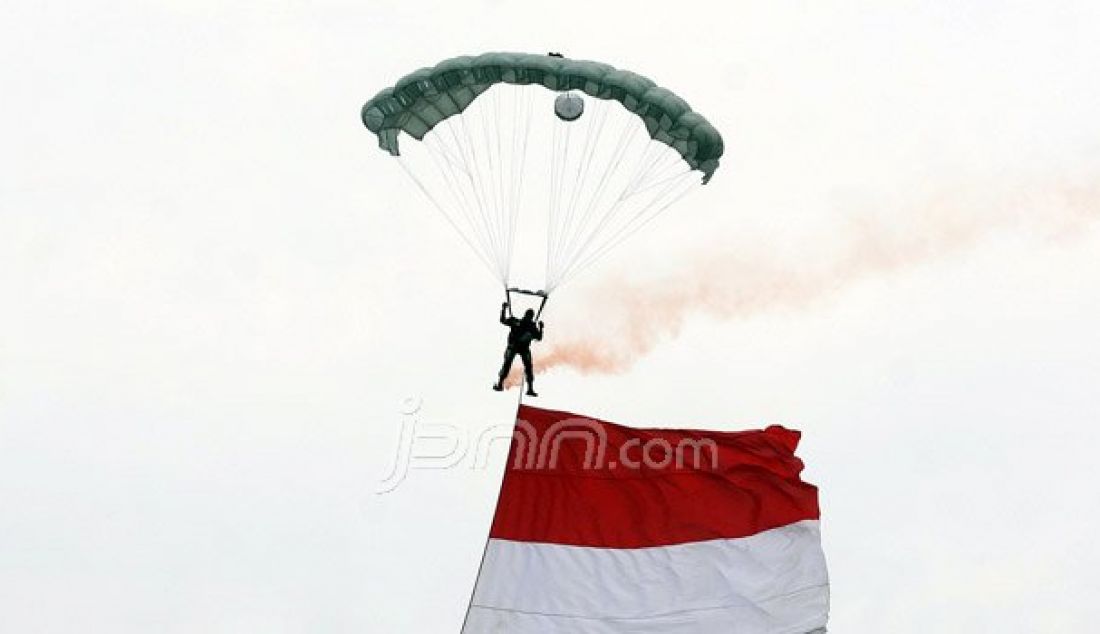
pixel 531 390
pixel 498 387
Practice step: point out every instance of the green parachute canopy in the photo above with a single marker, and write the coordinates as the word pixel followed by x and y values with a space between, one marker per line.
pixel 610 151
pixel 421 100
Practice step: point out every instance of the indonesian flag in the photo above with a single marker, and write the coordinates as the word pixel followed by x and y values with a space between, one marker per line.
pixel 605 529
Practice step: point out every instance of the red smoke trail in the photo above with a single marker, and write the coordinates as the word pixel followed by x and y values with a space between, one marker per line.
pixel 635 316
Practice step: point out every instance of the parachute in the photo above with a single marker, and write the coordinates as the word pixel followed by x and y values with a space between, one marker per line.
pixel 616 150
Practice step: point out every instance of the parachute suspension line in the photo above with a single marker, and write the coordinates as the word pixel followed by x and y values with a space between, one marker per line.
pixel 626 138
pixel 661 180
pixel 490 189
pixel 450 172
pixel 559 216
pixel 443 212
pixel 558 159
pixel 454 175
pixel 564 210
pixel 501 175
pixel 656 164
pixel 515 195
pixel 469 192
pixel 495 173
pixel 505 210
pixel 440 145
pixel 568 209
pixel 458 193
pixel 676 190
pixel 628 134
pixel 480 162
pixel 587 208
pixel 597 244
pixel 480 192
pixel 481 165
pixel 512 187
pixel 570 252
pixel 559 164
pixel 645 160
pixel 618 238
pixel 584 165
pixel 684 183
pixel 563 218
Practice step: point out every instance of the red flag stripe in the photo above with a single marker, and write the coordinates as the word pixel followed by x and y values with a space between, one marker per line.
pixel 579 481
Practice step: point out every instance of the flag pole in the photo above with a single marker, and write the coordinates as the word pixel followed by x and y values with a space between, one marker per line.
pixel 485 548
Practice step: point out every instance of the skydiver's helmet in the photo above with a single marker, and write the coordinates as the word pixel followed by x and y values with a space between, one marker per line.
pixel 529 315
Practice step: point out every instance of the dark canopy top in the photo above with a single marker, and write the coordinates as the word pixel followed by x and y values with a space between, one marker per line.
pixel 421 100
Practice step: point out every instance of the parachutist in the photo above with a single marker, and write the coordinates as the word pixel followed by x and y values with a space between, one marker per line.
pixel 520 335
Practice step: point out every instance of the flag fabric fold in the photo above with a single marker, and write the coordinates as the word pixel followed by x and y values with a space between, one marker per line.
pixel 607 529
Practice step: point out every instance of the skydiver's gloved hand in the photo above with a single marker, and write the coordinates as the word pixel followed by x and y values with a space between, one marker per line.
pixel 542 325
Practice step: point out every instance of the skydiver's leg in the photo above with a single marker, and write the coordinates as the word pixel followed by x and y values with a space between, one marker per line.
pixel 509 357
pixel 529 370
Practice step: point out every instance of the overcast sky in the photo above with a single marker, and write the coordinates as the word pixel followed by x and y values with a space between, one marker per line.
pixel 220 300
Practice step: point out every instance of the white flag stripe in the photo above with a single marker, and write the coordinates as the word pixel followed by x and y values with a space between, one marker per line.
pixel 774 582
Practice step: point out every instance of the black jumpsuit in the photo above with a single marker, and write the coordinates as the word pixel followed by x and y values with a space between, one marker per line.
pixel 521 333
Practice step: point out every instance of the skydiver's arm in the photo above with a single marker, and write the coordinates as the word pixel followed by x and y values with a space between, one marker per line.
pixel 541 329
pixel 503 314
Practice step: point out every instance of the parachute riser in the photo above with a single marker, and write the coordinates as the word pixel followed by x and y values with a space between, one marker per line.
pixel 543 295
